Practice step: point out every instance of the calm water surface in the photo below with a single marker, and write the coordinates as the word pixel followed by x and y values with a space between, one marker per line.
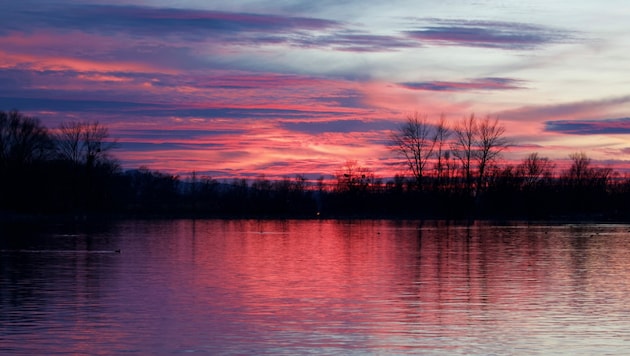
pixel 316 287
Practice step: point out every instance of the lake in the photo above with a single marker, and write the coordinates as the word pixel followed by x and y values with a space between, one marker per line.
pixel 315 287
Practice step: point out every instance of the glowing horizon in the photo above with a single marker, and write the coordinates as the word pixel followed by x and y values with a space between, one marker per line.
pixel 248 88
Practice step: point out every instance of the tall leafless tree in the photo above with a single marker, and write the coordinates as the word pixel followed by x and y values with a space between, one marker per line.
pixel 490 143
pixel 442 154
pixel 83 143
pixel 415 141
pixel 476 145
pixel 86 146
pixel 69 142
pixel 580 167
pixel 534 169
pixel 581 174
pixel 463 147
pixel 22 140
pixel 24 144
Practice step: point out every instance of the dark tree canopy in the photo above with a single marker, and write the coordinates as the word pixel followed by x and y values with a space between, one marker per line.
pixel 23 140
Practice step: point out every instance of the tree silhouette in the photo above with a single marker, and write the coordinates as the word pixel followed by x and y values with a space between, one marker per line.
pixel 477 144
pixel 24 146
pixel 354 178
pixel 534 169
pixel 463 148
pixel 83 143
pixel 23 140
pixel 442 164
pixel 85 147
pixel 580 170
pixel 490 143
pixel 415 142
pixel 585 185
pixel 72 173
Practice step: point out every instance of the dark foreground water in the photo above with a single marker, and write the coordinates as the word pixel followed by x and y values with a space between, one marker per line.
pixel 316 287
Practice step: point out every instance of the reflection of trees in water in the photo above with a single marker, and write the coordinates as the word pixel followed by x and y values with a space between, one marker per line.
pixel 463 271
pixel 43 268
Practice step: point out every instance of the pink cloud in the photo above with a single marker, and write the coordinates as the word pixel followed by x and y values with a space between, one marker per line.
pixel 61 63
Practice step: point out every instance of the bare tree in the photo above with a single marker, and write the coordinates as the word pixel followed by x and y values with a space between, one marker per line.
pixel 582 175
pixel 476 145
pixel 587 186
pixel 415 142
pixel 450 168
pixel 580 167
pixel 463 147
pixel 95 144
pixel 24 144
pixel 442 133
pixel 352 177
pixel 490 143
pixel 83 143
pixel 22 140
pixel 68 139
pixel 534 169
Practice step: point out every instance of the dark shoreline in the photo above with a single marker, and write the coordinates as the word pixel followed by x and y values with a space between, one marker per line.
pixel 17 218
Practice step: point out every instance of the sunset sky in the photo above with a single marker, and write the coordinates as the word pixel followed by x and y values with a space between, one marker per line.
pixel 246 87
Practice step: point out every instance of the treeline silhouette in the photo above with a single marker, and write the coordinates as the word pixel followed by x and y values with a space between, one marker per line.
pixel 70 171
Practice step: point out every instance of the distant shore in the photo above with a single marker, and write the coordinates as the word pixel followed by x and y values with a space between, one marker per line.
pixel 17 218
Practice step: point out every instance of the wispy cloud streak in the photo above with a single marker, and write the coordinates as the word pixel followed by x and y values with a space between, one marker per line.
pixel 489 34
pixel 153 21
pixel 619 126
pixel 211 27
pixel 566 111
pixel 474 84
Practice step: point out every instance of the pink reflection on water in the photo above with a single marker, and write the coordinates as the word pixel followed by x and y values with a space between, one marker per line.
pixel 273 287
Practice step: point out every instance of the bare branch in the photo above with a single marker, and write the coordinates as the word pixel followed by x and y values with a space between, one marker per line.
pixel 415 141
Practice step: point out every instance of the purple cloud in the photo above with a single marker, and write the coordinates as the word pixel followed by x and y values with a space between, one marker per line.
pixel 74 105
pixel 474 84
pixel 564 110
pixel 353 41
pixel 489 34
pixel 590 127
pixel 188 25
pixel 157 110
pixel 141 20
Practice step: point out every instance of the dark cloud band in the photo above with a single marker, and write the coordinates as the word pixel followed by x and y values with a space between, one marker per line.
pixel 474 84
pixel 489 34
pixel 590 127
